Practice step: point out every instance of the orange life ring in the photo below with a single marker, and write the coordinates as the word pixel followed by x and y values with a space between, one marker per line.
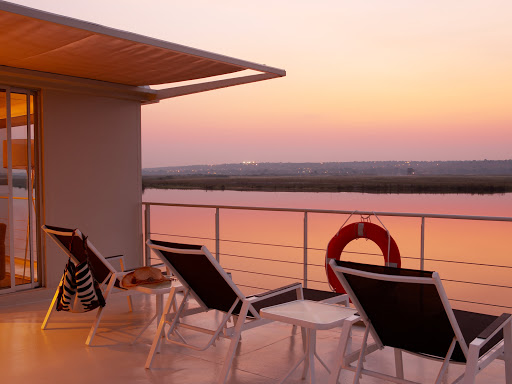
pixel 356 231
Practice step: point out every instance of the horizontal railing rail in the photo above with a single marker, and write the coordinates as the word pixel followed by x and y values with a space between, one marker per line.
pixel 341 212
pixel 306 249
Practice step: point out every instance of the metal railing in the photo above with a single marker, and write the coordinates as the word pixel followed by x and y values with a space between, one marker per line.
pixel 305 249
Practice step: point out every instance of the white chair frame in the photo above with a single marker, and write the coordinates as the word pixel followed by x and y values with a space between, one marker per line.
pixel 474 363
pixel 107 285
pixel 247 318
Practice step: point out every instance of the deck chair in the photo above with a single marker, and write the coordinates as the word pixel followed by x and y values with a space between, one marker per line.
pixel 204 280
pixel 408 310
pixel 104 272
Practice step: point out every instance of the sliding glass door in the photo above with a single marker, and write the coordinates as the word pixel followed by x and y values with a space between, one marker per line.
pixel 19 264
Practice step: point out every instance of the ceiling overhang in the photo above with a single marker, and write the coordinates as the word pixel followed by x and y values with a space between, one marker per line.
pixel 48 43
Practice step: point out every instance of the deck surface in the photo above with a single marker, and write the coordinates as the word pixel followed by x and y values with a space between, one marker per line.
pixel 28 354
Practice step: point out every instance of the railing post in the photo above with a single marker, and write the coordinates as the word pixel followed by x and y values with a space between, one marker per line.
pixel 305 283
pixel 147 232
pixel 217 232
pixel 422 252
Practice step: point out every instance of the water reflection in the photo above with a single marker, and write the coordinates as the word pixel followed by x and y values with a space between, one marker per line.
pixel 248 237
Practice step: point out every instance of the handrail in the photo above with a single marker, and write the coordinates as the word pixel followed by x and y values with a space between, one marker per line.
pixel 329 211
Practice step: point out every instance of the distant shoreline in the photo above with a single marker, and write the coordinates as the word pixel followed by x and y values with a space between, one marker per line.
pixel 445 184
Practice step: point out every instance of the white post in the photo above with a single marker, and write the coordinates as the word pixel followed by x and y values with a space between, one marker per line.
pixel 147 233
pixel 422 252
pixel 217 234
pixel 305 283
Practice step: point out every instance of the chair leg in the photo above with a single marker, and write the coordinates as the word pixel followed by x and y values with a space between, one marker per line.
pixel 340 352
pixel 94 327
pixel 445 376
pixel 53 305
pixel 160 330
pixel 399 363
pixel 96 323
pixel 441 376
pixel 234 343
pixel 507 338
pixel 359 369
pixel 471 364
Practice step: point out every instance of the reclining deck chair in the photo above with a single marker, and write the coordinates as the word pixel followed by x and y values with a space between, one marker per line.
pixel 408 310
pixel 204 279
pixel 103 271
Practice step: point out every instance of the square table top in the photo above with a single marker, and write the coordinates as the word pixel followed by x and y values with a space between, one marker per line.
pixel 309 314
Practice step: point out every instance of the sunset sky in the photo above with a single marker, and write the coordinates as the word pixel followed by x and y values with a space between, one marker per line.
pixel 366 80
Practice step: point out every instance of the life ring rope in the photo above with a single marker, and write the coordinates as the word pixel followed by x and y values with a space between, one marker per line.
pixel 380 235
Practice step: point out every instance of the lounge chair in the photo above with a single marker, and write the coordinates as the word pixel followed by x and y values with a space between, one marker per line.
pixel 408 310
pixel 204 280
pixel 103 271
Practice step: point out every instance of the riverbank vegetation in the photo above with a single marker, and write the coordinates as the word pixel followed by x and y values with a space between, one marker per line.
pixel 363 184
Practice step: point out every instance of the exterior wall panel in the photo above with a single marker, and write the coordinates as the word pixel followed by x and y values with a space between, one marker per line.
pixel 92 174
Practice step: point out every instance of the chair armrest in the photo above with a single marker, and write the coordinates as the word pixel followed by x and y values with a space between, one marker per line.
pixel 355 318
pixel 276 292
pixel 117 257
pixel 494 327
pixel 279 290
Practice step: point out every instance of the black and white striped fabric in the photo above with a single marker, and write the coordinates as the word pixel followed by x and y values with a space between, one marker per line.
pixel 79 292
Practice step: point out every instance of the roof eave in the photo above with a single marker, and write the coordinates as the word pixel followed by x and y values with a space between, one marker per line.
pixel 100 29
pixel 212 85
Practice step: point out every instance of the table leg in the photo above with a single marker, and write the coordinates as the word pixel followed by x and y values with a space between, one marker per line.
pixel 311 354
pixel 159 310
pixel 159 305
pixel 306 355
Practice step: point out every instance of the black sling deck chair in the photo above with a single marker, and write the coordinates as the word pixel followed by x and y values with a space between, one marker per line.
pixel 206 281
pixel 408 310
pixel 102 269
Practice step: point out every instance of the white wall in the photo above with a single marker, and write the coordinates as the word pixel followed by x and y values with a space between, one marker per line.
pixel 92 174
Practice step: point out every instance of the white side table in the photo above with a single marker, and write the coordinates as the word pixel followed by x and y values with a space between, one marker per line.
pixel 313 316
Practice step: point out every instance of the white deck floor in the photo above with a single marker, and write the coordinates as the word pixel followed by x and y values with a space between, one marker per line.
pixel 59 355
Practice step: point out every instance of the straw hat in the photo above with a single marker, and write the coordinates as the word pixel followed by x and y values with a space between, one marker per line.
pixel 143 275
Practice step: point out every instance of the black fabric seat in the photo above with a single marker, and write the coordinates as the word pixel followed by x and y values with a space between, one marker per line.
pixel 472 325
pixel 408 310
pixel 211 288
pixel 205 280
pixel 79 249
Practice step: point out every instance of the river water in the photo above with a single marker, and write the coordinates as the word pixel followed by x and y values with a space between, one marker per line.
pixel 460 250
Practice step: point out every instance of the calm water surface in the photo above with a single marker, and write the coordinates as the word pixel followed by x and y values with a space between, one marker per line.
pixel 248 236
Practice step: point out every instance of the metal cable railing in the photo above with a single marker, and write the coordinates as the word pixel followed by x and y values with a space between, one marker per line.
pixel 305 262
pixel 323 250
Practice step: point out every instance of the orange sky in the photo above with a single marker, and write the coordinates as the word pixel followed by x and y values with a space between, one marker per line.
pixel 366 80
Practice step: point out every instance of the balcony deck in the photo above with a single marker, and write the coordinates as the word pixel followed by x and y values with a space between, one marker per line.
pixel 59 355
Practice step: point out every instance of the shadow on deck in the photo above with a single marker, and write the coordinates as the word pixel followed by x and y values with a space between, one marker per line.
pixel 59 355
